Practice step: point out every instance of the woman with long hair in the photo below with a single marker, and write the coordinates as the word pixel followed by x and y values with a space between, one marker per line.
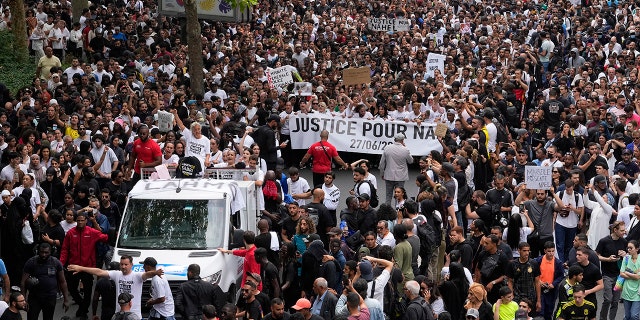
pixel 516 232
pixel 629 272
pixel 429 291
pixel 290 280
pixel 399 197
pixel 454 289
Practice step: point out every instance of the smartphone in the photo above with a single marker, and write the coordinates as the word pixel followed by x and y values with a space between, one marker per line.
pixel 345 280
pixel 521 208
pixel 287 141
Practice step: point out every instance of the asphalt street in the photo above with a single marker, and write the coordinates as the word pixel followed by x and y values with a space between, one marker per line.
pixel 344 181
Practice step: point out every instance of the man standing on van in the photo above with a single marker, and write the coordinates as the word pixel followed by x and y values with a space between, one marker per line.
pixel 126 280
pixel 146 153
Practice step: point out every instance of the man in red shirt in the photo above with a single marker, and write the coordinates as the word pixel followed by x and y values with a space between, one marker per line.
pixel 250 263
pixel 79 247
pixel 322 152
pixel 146 153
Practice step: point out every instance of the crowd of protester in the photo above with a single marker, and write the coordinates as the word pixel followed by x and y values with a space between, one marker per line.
pixel 524 83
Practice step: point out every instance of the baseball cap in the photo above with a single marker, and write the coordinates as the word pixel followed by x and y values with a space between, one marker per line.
pixel 626 151
pixel 5 193
pixel 124 298
pixel 473 313
pixel 366 270
pixel 302 303
pixel 364 196
pixel 521 314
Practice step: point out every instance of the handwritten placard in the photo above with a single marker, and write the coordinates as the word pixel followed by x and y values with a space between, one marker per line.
pixel 538 177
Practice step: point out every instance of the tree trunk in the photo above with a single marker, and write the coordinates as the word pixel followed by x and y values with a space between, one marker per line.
pixel 76 9
pixel 19 30
pixel 195 47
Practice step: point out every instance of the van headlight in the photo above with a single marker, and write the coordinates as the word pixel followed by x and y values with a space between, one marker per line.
pixel 214 278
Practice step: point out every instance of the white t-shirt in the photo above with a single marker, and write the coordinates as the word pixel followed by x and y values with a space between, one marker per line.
pixel 493 135
pixel 131 283
pixel 198 148
pixel 160 288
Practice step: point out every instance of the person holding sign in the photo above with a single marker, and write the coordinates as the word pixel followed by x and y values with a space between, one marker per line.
pixel 197 145
pixel 541 210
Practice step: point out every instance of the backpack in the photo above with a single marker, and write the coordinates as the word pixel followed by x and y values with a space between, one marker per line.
pixel 428 239
pixel 374 202
pixel 464 195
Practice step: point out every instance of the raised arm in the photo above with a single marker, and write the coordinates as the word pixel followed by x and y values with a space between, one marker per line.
pixel 94 271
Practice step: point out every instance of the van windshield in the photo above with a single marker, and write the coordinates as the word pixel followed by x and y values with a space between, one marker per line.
pixel 173 224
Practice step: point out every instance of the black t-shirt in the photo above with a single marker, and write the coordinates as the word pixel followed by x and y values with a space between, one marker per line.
pixel 47 274
pixel 253 309
pixel 590 172
pixel 571 311
pixel 552 110
pixel 607 247
pixel 10 315
pixel 491 266
pixel 285 316
pixel 289 226
pixel 56 233
pixel 268 274
pixel 591 275
pixel 263 240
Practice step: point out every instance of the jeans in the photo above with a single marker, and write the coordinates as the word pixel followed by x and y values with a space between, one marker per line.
pixel 564 241
pixel 631 310
pixel 548 301
pixel 390 186
pixel 611 298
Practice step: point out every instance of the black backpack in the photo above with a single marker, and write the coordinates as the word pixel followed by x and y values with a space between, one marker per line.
pixel 374 202
pixel 464 195
pixel 428 238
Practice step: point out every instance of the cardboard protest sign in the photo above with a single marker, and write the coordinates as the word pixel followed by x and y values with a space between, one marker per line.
pixel 354 76
pixel 536 177
pixel 441 130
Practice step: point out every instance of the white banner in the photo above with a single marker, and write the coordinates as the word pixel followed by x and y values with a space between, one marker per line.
pixel 388 25
pixel 361 135
pixel 435 61
pixel 279 77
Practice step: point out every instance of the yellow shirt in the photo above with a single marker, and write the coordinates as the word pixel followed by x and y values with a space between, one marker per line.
pixel 46 64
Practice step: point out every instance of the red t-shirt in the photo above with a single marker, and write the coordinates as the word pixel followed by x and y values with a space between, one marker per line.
pixel 322 164
pixel 250 263
pixel 146 151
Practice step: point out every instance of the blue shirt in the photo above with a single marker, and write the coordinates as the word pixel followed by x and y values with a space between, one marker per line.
pixel 317 304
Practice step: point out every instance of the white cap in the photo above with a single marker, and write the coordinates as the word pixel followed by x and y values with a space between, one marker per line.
pixel 53 101
pixel 5 193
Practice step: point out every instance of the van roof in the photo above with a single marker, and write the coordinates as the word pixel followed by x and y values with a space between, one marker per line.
pixel 186 189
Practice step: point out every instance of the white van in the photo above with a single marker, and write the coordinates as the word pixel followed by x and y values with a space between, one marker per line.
pixel 184 221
